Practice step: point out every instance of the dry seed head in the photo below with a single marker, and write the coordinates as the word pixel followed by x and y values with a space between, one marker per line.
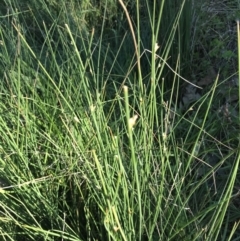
pixel 76 119
pixel 132 121
pixel 156 47
pixel 92 108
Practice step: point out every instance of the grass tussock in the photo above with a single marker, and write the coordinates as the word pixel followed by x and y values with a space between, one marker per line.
pixel 103 133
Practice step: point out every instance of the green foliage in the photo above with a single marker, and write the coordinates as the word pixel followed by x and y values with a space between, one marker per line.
pixel 94 143
pixel 214 39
